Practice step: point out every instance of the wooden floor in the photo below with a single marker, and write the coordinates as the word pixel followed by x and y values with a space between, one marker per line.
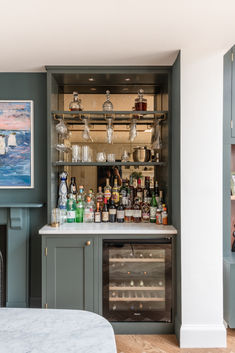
pixel 165 344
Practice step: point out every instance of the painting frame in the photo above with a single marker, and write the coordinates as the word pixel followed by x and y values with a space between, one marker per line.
pixel 31 115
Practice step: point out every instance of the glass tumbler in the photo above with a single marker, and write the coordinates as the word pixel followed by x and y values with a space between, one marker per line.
pixel 76 153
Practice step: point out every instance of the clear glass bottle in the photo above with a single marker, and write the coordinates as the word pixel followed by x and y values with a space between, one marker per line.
pixel 63 191
pixel 81 194
pixel 105 212
pixel 159 216
pixel 107 190
pixel 108 105
pixel 89 211
pixel 92 197
pixel 97 213
pixel 124 193
pixel 140 101
pixel 75 104
pixel 71 209
pixel 136 211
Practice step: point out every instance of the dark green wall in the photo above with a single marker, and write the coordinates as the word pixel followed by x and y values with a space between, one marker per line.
pixel 31 86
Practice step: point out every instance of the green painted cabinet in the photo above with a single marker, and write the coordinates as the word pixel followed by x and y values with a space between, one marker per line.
pixel 68 272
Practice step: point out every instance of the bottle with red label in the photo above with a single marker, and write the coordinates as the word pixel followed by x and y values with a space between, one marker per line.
pixel 107 190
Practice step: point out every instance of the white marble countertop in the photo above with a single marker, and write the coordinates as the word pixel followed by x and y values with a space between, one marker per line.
pixel 109 228
pixel 54 331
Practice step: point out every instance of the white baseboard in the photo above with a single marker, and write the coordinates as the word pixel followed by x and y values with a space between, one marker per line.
pixel 203 336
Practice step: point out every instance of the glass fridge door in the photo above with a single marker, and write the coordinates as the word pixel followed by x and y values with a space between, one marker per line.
pixel 137 280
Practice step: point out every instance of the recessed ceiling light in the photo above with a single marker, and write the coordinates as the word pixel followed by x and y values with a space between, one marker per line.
pixel 127 79
pixel 91 79
pixel 93 89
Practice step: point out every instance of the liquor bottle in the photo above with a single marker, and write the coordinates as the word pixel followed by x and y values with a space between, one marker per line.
pixel 81 194
pixel 115 192
pixel 71 209
pixel 131 190
pixel 147 188
pixel 100 197
pixel 136 211
pixel 63 191
pixel 123 193
pixel 92 197
pixel 164 216
pixel 161 201
pixel 156 192
pixel 112 211
pixel 80 210
pixel 159 216
pixel 120 213
pixel 134 189
pixel 139 191
pixel 89 211
pixel 145 210
pixel 97 213
pixel 107 190
pixel 76 103
pixel 105 212
pixel 73 188
pixel 153 209
pixel 128 213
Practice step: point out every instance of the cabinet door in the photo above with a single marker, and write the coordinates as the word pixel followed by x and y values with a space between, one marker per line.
pixel 232 59
pixel 69 273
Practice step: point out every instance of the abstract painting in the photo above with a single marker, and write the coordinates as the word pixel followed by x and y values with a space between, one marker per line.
pixel 16 144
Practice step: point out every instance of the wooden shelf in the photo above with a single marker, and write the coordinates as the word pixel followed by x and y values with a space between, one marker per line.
pixel 111 299
pixel 104 164
pixel 136 260
pixel 136 288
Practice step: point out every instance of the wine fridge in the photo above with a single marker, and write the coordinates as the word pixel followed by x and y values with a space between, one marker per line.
pixel 137 280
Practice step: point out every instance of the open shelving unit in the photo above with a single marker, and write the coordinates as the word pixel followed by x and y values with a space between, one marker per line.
pixel 104 164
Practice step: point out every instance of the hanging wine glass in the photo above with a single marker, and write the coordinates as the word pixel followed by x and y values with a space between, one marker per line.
pixel 61 128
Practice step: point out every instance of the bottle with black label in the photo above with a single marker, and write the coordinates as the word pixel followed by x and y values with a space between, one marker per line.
pixel 73 187
pixel 120 213
pixel 112 211
pixel 105 212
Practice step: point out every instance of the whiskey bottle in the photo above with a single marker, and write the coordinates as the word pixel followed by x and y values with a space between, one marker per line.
pixel 145 211
pixel 107 190
pixel 128 213
pixel 105 212
pixel 137 211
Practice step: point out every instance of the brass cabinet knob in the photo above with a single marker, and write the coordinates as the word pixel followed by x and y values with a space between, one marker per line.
pixel 88 243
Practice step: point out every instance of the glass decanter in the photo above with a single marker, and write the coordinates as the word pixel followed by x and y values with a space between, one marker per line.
pixel 108 105
pixel 140 101
pixel 76 103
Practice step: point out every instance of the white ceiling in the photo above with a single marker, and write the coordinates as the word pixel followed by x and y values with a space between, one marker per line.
pixel 101 32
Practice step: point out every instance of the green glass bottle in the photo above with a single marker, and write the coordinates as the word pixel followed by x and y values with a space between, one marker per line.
pixel 71 209
pixel 153 209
